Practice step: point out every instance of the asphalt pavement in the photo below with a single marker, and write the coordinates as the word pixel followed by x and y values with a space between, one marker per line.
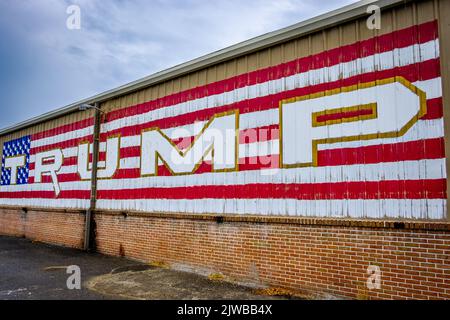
pixel 30 270
pixel 38 271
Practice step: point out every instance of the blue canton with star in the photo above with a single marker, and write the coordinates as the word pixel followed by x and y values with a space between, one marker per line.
pixel 13 148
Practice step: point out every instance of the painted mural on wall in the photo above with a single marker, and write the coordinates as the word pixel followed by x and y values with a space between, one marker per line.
pixel 355 131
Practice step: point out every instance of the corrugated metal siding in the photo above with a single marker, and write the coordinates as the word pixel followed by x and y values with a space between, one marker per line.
pixel 396 19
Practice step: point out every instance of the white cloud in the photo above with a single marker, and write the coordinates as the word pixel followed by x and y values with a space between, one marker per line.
pixel 121 41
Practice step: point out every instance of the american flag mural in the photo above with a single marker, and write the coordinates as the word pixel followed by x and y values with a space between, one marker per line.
pixel 355 131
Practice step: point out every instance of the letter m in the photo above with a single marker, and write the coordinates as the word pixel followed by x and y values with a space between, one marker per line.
pixel 217 141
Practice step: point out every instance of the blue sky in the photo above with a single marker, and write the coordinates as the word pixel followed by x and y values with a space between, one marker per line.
pixel 45 66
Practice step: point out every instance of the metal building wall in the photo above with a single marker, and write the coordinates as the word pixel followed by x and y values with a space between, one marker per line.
pixel 402 16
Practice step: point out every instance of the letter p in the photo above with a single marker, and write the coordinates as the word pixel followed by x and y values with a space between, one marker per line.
pixel 377 110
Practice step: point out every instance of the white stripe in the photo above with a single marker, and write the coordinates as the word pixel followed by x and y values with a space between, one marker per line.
pixel 384 208
pixel 402 170
pixel 384 61
pixel 73 152
pixel 423 129
pixel 394 208
pixel 130 163
pixel 63 137
pixel 47 203
pixel 432 87
pixel 67 153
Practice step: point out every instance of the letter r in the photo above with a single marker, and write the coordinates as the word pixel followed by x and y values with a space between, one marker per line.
pixel 49 162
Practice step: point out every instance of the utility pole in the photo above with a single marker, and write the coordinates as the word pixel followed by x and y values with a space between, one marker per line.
pixel 89 230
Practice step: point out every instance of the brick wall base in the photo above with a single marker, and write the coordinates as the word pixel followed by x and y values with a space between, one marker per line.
pixel 64 228
pixel 315 256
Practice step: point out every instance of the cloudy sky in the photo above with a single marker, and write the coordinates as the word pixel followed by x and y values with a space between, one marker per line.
pixel 45 66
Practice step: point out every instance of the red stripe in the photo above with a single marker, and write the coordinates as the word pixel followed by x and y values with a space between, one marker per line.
pixel 408 189
pixel 403 151
pixel 260 134
pixel 63 129
pixel 344 115
pixel 416 72
pixel 69 161
pixel 72 194
pixel 65 177
pixel 398 39
pixel 435 109
pixel 259 163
